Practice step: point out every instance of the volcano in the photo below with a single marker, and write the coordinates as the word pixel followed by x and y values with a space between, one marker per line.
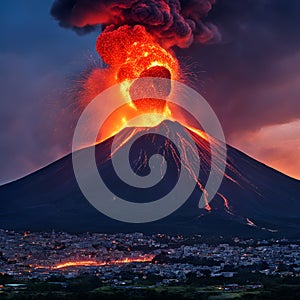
pixel 254 200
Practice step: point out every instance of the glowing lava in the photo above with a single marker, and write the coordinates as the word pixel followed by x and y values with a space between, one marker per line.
pixel 132 53
pixel 93 263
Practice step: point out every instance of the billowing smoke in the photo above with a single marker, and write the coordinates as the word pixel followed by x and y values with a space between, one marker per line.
pixel 170 22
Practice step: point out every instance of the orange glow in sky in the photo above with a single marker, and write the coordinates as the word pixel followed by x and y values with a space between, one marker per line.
pixel 278 146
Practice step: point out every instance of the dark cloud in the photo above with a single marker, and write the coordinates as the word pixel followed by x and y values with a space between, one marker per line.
pixel 252 77
pixel 171 22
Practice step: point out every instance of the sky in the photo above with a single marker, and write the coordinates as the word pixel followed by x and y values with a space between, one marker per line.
pixel 251 79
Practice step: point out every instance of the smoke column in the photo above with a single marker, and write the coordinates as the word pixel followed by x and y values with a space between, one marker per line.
pixel 170 22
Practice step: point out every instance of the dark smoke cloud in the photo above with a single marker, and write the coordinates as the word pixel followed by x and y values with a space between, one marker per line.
pixel 171 22
pixel 252 78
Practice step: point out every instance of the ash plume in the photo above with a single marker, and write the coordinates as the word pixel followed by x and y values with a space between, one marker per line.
pixel 171 22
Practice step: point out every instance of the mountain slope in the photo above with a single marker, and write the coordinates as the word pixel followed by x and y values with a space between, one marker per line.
pixel 253 200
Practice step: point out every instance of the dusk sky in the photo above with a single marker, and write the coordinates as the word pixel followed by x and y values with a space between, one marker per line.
pixel 251 79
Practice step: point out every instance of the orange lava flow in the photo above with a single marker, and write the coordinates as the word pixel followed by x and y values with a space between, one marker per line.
pixel 147 258
pixel 94 263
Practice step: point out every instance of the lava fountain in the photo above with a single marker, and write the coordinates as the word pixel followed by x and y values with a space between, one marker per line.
pixel 136 41
pixel 132 53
